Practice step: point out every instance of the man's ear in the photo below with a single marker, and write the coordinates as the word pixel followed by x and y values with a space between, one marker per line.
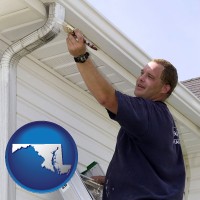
pixel 166 88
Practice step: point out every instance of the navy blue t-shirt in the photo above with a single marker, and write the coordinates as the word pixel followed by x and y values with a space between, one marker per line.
pixel 147 163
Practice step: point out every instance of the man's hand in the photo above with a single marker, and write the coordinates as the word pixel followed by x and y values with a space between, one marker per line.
pixel 76 44
pixel 99 179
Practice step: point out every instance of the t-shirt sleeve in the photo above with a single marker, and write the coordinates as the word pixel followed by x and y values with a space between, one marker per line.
pixel 132 113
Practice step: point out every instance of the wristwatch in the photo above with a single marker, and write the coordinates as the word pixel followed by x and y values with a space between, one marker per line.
pixel 81 58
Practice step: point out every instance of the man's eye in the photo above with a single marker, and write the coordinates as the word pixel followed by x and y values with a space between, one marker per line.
pixel 151 77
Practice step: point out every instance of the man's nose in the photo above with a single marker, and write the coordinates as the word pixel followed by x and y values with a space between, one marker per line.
pixel 142 77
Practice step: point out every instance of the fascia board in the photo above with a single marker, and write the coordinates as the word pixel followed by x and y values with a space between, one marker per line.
pixel 186 103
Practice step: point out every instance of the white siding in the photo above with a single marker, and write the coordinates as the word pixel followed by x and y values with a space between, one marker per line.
pixel 43 95
pixel 194 175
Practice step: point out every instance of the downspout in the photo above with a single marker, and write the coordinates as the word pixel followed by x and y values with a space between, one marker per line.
pixel 8 68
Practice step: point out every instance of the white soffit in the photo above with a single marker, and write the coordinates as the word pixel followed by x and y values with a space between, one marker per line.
pixel 20 18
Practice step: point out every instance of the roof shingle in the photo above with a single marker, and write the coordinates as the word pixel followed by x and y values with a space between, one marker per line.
pixel 193 85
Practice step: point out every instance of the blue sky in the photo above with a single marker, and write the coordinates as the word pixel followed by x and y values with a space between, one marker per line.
pixel 168 29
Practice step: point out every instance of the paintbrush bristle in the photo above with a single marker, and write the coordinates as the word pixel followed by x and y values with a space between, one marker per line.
pixel 68 28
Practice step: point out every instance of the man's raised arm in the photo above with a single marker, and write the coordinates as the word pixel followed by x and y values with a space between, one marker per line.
pixel 100 88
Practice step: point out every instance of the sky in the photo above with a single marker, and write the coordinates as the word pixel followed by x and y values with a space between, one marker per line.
pixel 168 29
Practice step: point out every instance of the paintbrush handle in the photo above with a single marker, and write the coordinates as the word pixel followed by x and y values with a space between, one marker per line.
pixel 70 30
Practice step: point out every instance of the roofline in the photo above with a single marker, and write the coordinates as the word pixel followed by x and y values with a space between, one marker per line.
pixel 184 101
pixel 191 79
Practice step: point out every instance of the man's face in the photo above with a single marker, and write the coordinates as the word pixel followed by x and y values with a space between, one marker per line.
pixel 149 84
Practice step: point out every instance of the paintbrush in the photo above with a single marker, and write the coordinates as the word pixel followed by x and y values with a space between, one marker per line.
pixel 70 30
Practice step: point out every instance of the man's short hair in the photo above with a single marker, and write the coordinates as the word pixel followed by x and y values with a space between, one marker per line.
pixel 169 74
